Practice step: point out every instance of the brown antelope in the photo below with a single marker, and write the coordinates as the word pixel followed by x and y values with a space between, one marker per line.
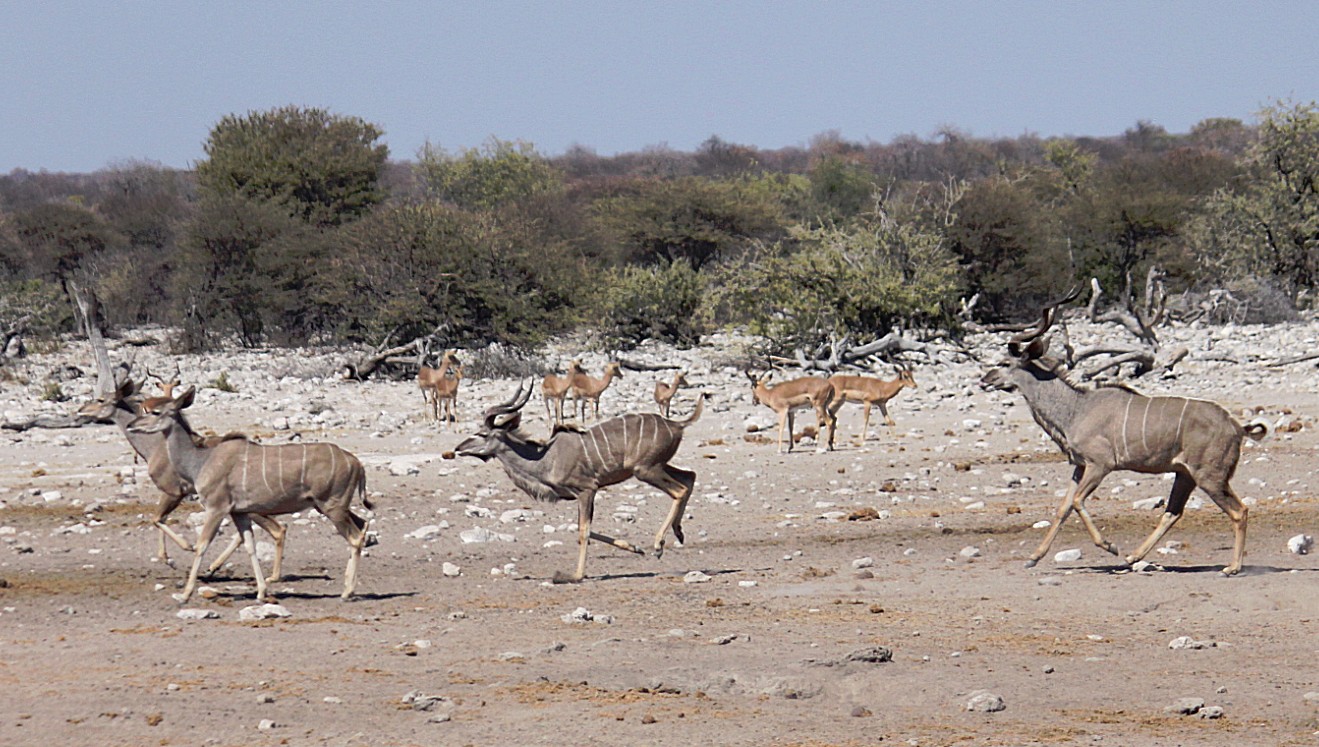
pixel 555 388
pixel 869 391
pixel 166 388
pixel 586 388
pixel 1116 428
pixel 574 464
pixel 439 385
pixel 120 407
pixel 243 480
pixel 664 391
pixel 789 396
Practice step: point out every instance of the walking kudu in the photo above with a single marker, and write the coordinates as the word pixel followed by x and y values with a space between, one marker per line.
pixel 574 463
pixel 244 480
pixel 1116 428
pixel 119 407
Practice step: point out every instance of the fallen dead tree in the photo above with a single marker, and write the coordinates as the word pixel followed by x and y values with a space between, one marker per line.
pixel 840 353
pixel 386 356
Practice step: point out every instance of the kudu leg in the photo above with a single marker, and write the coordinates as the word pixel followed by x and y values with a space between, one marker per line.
pixel 243 526
pixel 678 483
pixel 164 508
pixel 585 512
pixel 277 533
pixel 1181 490
pixel 1084 482
pixel 208 530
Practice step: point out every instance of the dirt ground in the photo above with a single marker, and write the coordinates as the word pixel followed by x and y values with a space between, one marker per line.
pixel 773 645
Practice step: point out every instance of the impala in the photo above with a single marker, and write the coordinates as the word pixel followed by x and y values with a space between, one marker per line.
pixel 789 396
pixel 664 391
pixel 586 388
pixel 554 388
pixel 869 391
pixel 436 385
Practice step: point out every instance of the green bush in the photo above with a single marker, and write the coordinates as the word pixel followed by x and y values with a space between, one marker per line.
pixel 662 302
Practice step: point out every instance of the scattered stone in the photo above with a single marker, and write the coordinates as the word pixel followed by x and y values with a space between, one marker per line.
pixel 1144 566
pixel 451 570
pixel 1050 581
pixel 1301 544
pixel 861 712
pixel 265 725
pixel 1186 642
pixel 583 615
pixel 332 700
pixel 695 577
pixel 983 701
pixel 403 469
pixel 428 532
pixel 265 698
pixel 263 612
pixel 196 614
pixel 1147 504
pixel 1211 712
pixel 481 535
pixel 970 552
pixel 1067 556
pixel 1186 706
pixel 870 655
pixel 866 562
pixel 865 513
pixel 1311 697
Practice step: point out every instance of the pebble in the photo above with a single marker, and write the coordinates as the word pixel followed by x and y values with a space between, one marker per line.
pixel 196 614
pixel 970 552
pixel 866 562
pixel 1186 706
pixel 263 612
pixel 1301 544
pixel 451 570
pixel 1186 642
pixel 984 701
pixel 695 577
pixel 1067 556
pixel 265 725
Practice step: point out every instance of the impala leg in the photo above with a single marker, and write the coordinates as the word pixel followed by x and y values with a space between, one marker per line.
pixel 825 419
pixel 865 427
pixel 243 526
pixel 208 530
pixel 883 409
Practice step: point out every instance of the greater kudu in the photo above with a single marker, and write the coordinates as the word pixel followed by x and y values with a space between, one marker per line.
pixel 574 464
pixel 120 407
pixel 1116 428
pixel 244 480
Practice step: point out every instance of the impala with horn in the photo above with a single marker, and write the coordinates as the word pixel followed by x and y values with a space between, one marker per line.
pixel 574 464
pixel 1116 428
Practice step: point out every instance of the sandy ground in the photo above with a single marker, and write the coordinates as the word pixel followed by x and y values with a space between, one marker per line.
pixel 769 647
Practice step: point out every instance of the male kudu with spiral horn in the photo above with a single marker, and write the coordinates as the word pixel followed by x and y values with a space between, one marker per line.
pixel 575 463
pixel 1116 428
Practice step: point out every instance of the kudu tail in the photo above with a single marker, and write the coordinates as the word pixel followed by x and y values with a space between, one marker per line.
pixel 361 492
pixel 1256 430
pixel 696 414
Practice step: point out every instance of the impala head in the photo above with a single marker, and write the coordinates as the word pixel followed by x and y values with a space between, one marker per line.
pixel 161 416
pixel 615 368
pixel 103 407
pixel 906 377
pixel 1027 353
pixel 756 383
pixel 500 421
pixel 681 379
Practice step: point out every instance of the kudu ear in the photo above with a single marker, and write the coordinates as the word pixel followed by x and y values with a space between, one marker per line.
pixel 1037 348
pixel 184 400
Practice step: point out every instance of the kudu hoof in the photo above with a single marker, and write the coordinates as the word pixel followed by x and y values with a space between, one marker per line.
pixel 1112 550
pixel 564 578
pixel 1031 562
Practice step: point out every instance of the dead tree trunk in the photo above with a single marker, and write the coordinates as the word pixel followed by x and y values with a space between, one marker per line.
pixel 89 312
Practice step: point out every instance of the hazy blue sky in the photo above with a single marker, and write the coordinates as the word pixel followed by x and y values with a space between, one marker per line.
pixel 89 84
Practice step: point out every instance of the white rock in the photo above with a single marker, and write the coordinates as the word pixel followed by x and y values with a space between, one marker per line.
pixel 866 562
pixel 976 506
pixel 1187 642
pixel 695 577
pixel 451 570
pixel 479 535
pixel 516 514
pixel 1301 544
pixel 1147 504
pixel 1067 556
pixel 1041 524
pixel 196 614
pixel 263 612
pixel 984 701
pixel 970 552
pixel 403 469
pixel 265 724
pixel 428 532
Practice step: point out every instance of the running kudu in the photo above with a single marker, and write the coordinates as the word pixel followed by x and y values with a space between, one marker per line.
pixel 1116 428
pixel 576 463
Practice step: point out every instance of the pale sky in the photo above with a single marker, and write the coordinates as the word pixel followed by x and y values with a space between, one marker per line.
pixel 90 84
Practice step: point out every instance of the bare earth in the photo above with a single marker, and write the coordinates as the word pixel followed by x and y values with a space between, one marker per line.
pixel 92 650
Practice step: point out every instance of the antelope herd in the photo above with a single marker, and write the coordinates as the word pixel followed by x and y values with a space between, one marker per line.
pixel 1099 429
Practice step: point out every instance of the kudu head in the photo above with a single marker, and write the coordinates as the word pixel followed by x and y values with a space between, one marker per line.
pixel 162 416
pixel 501 422
pixel 104 406
pixel 1027 352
